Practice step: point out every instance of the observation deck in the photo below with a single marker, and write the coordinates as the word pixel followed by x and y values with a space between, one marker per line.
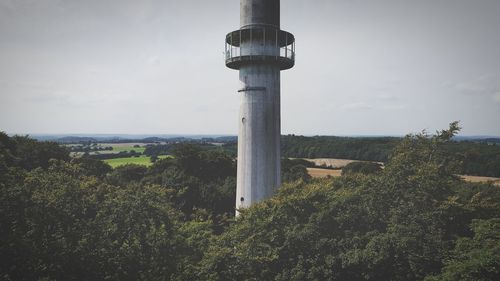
pixel 253 45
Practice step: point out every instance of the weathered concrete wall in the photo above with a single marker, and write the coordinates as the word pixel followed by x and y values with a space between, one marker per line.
pixel 259 134
pixel 259 12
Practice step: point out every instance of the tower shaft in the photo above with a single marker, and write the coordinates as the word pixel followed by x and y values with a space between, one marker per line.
pixel 259 50
pixel 259 134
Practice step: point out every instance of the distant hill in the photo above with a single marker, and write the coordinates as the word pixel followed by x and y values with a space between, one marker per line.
pixel 74 140
pixel 121 138
pixel 483 139
pixel 492 140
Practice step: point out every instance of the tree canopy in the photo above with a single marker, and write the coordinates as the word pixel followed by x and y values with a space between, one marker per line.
pixel 78 220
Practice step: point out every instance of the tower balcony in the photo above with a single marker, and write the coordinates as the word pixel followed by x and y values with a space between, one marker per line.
pixel 266 45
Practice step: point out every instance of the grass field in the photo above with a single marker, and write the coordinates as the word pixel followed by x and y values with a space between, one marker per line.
pixel 323 173
pixel 119 147
pixel 142 160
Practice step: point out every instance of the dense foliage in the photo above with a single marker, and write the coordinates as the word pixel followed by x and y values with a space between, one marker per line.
pixel 481 159
pixel 401 224
pixel 121 154
pixel 365 168
pixel 79 220
pixel 159 149
pixel 295 169
pixel 170 148
pixel 369 148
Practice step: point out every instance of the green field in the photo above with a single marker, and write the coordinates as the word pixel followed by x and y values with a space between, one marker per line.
pixel 142 160
pixel 117 148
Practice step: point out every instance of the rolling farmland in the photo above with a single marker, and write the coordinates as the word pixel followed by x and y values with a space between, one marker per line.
pixel 141 160
pixel 323 173
pixel 340 163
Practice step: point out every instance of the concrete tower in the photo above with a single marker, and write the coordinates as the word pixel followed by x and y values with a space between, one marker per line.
pixel 259 50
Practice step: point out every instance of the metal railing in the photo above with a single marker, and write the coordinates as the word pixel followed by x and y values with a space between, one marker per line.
pixel 260 43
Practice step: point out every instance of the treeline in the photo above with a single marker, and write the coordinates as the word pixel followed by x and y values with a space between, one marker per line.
pixel 368 149
pixel 476 158
pixel 480 159
pixel 78 219
pixel 151 140
pixel 89 148
pixel 121 154
pixel 169 148
pixel 159 149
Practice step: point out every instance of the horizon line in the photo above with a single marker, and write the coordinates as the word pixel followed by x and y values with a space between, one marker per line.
pixel 147 135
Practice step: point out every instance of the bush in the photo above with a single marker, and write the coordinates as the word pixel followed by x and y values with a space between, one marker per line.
pixel 365 168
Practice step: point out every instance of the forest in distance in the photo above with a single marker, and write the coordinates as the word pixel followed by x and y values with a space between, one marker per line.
pixel 67 218
pixel 477 156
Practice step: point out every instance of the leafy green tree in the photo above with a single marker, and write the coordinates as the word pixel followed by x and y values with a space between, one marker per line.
pixel 154 158
pixel 62 220
pixel 476 258
pixel 27 153
pixel 295 173
pixel 32 154
pixel 7 146
pixel 200 180
pixel 188 157
pixel 93 167
pixel 365 168
pixel 43 222
pixel 295 169
pixel 400 224
pixel 126 174
pixel 215 164
pixel 60 224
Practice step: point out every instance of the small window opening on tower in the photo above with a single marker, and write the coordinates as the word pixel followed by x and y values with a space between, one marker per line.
pixel 243 120
pixel 242 199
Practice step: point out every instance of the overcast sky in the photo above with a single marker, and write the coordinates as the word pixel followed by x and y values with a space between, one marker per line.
pixel 364 67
